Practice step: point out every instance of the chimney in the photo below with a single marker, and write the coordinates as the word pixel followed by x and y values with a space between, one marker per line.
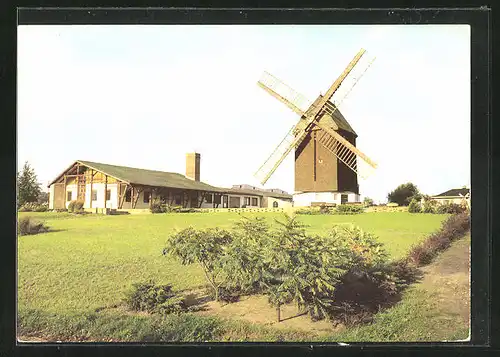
pixel 193 166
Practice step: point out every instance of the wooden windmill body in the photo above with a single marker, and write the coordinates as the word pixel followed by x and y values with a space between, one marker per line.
pixel 327 162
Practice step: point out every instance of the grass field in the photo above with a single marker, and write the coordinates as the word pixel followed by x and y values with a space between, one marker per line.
pixel 88 262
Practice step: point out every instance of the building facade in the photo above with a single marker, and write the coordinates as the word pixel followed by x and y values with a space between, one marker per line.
pixel 101 186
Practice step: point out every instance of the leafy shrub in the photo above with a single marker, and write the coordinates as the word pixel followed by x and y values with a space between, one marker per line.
pixel 34 207
pixel 368 202
pixel 308 210
pixel 429 206
pixel 27 226
pixel 242 264
pixel 158 206
pixel 451 208
pixel 154 298
pixel 205 247
pixel 414 206
pixel 455 227
pixel 76 206
pixel 186 210
pixel 349 209
pixel 42 207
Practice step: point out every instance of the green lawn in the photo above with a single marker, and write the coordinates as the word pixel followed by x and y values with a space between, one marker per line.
pixel 89 261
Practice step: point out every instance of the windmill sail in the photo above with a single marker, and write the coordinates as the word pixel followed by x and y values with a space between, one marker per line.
pixel 295 136
pixel 283 92
pixel 351 158
pixel 352 79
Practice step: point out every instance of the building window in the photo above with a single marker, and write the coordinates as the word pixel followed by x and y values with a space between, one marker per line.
pixel 94 195
pixel 108 195
pixel 208 198
pixel 146 196
pixel 217 199
pixel 254 201
pixel 128 195
pixel 69 195
pixel 177 199
pixel 247 201
pixel 275 204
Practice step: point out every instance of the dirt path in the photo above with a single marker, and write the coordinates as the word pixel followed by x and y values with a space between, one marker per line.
pixel 449 278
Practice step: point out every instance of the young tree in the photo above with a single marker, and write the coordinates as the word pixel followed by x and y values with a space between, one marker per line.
pixel 27 185
pixel 205 247
pixel 367 201
pixel 403 194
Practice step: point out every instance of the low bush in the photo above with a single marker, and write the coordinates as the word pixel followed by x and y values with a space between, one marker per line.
pixel 450 208
pixel 349 209
pixel 429 206
pixel 27 226
pixel 455 227
pixel 34 207
pixel 76 206
pixel 154 299
pixel 158 206
pixel 414 206
pixel 308 210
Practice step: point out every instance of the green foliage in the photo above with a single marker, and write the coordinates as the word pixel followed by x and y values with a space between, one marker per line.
pixel 34 207
pixel 26 226
pixel 148 296
pixel 301 268
pixel 158 206
pixel 75 206
pixel 403 194
pixel 429 206
pixel 414 206
pixel 43 198
pixel 242 264
pixel 349 209
pixel 28 189
pixel 368 202
pixel 309 210
pixel 450 208
pixel 455 227
pixel 205 247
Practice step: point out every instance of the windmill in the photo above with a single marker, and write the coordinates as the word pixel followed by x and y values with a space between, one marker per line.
pixel 327 162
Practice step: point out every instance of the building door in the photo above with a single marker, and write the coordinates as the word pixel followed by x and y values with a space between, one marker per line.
pixel 224 201
pixel 343 199
pixel 234 202
pixel 59 196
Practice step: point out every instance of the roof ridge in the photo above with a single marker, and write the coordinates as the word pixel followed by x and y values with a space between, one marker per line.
pixel 130 167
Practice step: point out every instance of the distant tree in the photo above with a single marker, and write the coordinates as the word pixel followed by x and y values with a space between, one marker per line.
pixel 368 201
pixel 403 194
pixel 43 197
pixel 27 185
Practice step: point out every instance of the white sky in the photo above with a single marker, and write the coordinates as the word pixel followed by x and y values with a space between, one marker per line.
pixel 143 96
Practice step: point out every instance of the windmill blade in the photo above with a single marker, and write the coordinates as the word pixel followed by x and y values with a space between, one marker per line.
pixel 284 93
pixel 295 136
pixel 291 140
pixel 352 79
pixel 350 155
